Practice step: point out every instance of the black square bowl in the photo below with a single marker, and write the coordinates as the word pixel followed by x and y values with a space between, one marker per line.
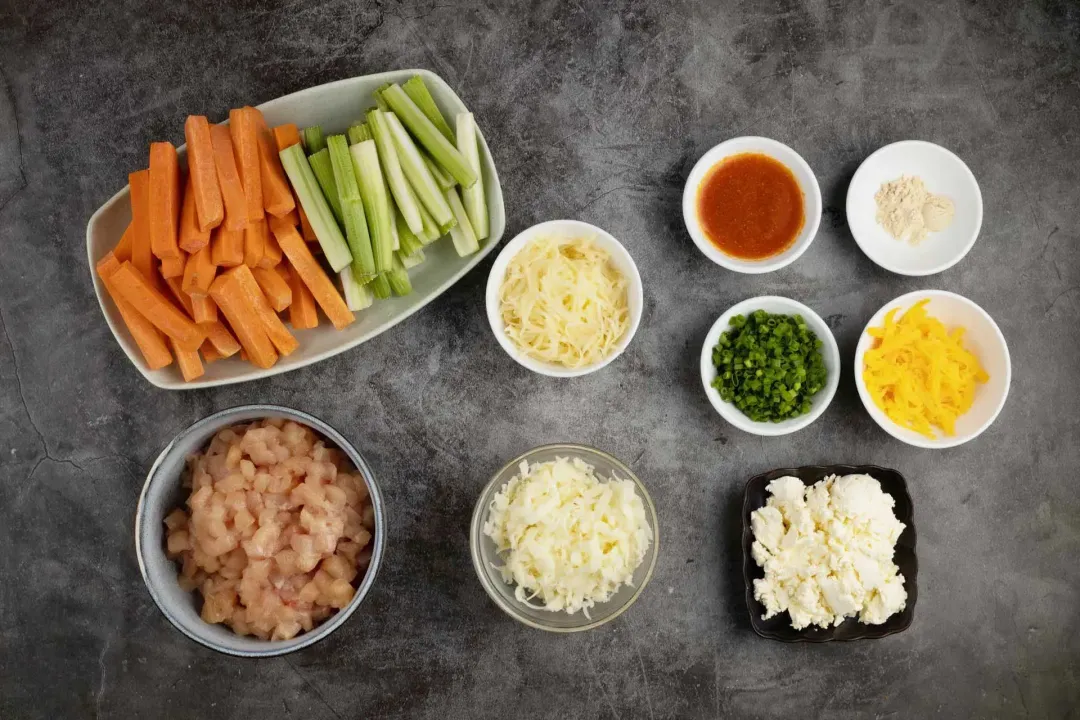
pixel 779 627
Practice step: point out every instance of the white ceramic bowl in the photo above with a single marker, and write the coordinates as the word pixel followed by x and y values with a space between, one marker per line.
pixel 982 337
pixel 563 229
pixel 335 106
pixel 778 151
pixel 944 174
pixel 830 353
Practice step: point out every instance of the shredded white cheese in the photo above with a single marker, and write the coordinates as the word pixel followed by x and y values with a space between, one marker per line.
pixel 563 301
pixel 567 537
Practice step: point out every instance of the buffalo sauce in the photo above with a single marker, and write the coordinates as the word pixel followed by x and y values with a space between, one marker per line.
pixel 751 206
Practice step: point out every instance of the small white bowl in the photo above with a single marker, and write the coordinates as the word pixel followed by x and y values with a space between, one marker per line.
pixel 830 353
pixel 563 229
pixel 944 174
pixel 778 151
pixel 982 337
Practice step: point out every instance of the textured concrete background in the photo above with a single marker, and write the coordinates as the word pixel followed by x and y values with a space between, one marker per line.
pixel 594 111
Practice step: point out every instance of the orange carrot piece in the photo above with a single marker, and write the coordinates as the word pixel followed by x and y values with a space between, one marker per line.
pixel 164 200
pixel 275 329
pixel 203 310
pixel 202 173
pixel 165 316
pixel 232 190
pixel 227 247
pixel 292 217
pixel 191 366
pixel 219 336
pixel 272 252
pixel 141 256
pixel 277 195
pixel 192 239
pixel 209 352
pixel 238 308
pixel 199 272
pixel 306 230
pixel 175 286
pixel 173 267
pixel 303 314
pixel 274 287
pixel 149 339
pixel 122 251
pixel 244 356
pixel 282 270
pixel 245 140
pixel 255 243
pixel 304 264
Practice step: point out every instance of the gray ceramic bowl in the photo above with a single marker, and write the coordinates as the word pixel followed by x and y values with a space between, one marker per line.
pixel 163 492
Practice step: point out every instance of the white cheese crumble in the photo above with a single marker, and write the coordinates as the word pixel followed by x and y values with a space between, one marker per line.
pixel 567 537
pixel 827 551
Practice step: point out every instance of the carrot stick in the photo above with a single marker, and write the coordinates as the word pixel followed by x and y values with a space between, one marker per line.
pixel 175 286
pixel 272 251
pixel 286 136
pixel 165 316
pixel 304 264
pixel 199 272
pixel 292 217
pixel 275 329
pixel 232 191
pixel 306 230
pixel 173 267
pixel 227 247
pixel 203 173
pixel 141 256
pixel 192 238
pixel 209 352
pixel 150 341
pixel 164 200
pixel 255 242
pixel 282 270
pixel 245 140
pixel 303 315
pixel 122 251
pixel 238 308
pixel 203 310
pixel 191 366
pixel 219 336
pixel 277 195
pixel 274 287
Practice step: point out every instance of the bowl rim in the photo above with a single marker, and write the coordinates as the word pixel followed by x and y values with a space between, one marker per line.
pixel 902 302
pixel 867 246
pixel 772 148
pixel 733 415
pixel 278 647
pixel 130 349
pixel 498 271
pixel 480 511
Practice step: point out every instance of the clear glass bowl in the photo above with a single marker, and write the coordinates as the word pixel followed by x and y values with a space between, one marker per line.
pixel 485 557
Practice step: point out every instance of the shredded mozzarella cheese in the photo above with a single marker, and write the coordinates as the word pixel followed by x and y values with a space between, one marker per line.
pixel 563 301
pixel 568 538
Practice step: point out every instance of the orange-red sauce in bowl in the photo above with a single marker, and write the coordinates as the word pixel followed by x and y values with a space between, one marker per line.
pixel 751 206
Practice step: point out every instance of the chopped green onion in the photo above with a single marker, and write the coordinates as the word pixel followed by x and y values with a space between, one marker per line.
pixel 314 203
pixel 398 278
pixel 395 177
pixel 324 173
pixel 357 295
pixel 417 90
pixel 419 177
pixel 462 234
pixel 380 287
pixel 473 197
pixel 352 207
pixel 443 180
pixel 313 139
pixel 429 136
pixel 365 156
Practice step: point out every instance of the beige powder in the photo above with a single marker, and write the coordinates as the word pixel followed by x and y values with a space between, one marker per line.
pixel 908 211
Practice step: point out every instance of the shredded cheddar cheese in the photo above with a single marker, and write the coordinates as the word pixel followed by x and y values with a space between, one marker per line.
pixel 920 374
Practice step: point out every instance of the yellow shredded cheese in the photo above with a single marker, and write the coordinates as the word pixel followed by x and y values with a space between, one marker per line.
pixel 563 301
pixel 920 374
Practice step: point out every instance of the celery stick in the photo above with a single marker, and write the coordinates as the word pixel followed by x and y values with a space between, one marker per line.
pixel 379 101
pixel 357 296
pixel 313 139
pixel 396 244
pixel 475 203
pixel 324 173
pixel 411 261
pixel 395 177
pixel 365 158
pixel 352 207
pixel 462 234
pixel 443 180
pixel 398 277
pixel 423 184
pixel 408 242
pixel 417 90
pixel 380 287
pixel 314 203
pixel 352 131
pixel 359 133
pixel 429 136
pixel 431 231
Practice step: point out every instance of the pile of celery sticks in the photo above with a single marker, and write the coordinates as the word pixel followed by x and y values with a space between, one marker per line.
pixel 396 181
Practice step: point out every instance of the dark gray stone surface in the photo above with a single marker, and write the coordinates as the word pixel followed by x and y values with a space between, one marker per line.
pixel 594 111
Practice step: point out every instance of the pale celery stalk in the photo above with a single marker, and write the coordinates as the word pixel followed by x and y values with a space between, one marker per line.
pixel 395 176
pixel 473 197
pixel 396 244
pixel 429 136
pixel 412 164
pixel 365 156
pixel 431 231
pixel 316 207
pixel 380 287
pixel 408 242
pixel 357 295
pixel 443 180
pixel 417 90
pixel 313 139
pixel 324 173
pixel 398 277
pixel 379 101
pixel 411 261
pixel 359 133
pixel 352 207
pixel 462 234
